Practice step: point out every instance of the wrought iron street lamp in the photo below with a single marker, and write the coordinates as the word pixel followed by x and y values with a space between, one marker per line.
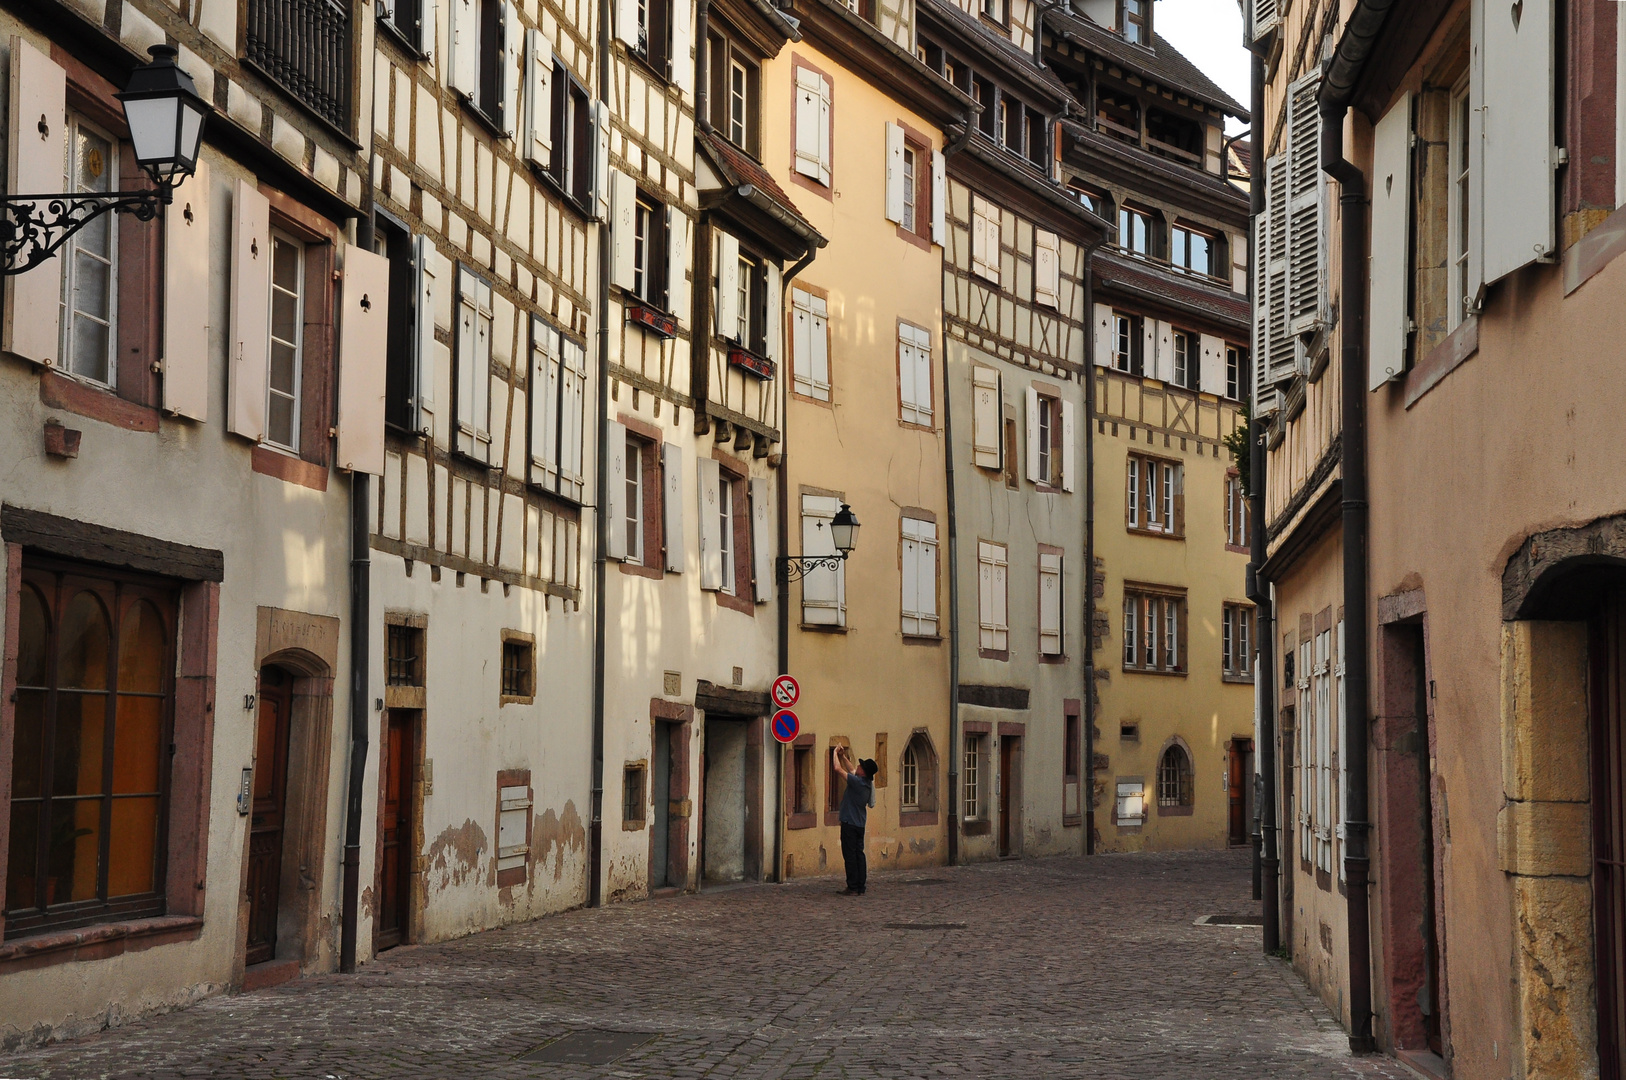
pixel 843 535
pixel 165 115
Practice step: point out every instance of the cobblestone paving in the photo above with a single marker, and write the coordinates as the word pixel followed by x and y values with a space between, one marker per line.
pixel 1042 969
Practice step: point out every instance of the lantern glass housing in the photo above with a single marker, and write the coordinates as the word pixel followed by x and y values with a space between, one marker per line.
pixel 165 115
pixel 844 529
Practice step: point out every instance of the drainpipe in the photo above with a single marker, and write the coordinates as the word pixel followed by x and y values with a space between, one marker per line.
pixel 601 499
pixel 702 38
pixel 360 653
pixel 1352 307
pixel 782 588
pixel 1088 719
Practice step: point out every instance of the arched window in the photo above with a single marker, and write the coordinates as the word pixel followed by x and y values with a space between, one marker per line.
pixel 909 774
pixel 917 779
pixel 1174 777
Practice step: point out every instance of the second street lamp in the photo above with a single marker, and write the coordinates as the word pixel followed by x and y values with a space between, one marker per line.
pixel 843 537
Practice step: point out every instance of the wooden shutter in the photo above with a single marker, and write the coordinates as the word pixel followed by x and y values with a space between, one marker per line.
pixel 624 208
pixel 615 494
pixel 428 29
pixel 364 322
pixel 1306 185
pixel 37 141
pixel 914 375
pixel 999 612
pixel 474 319
pixel 1266 16
pixel 939 194
pixel 985 595
pixel 510 62
pixel 823 591
pixel 626 23
pixel 538 144
pixel 825 136
pixel 1106 334
pixel 248 366
pixel 812 125
pixel 464 31
pixel 1264 399
pixel 677 264
pixel 711 538
pixel 1033 437
pixel 572 416
pixel 682 62
pixel 820 363
pixel 601 159
pixel 801 342
pixel 1176 475
pixel 985 417
pixel 427 266
pixel 1517 112
pixel 918 602
pixel 979 240
pixel 1069 472
pixel 1281 352
pixel 672 505
pixel 1046 268
pixel 544 405
pixel 894 172
pixel 762 540
pixel 728 286
pixel 1050 590
pixel 186 277
pixel 1391 243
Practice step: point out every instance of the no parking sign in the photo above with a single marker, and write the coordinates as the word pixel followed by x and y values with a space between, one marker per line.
pixel 786 726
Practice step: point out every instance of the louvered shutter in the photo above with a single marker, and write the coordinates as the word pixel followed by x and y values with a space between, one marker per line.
pixel 1266 17
pixel 823 590
pixel 1306 197
pixel 37 143
pixel 985 410
pixel 1259 352
pixel 510 62
pixel 364 321
pixel 538 144
pixel 1069 471
pixel 761 541
pixel 248 366
pixel 1517 121
pixel 1046 268
pixel 464 31
pixel 894 172
pixel 1050 588
pixel 544 405
pixel 1033 436
pixel 677 264
pixel 572 417
pixel 615 491
pixel 1281 355
pixel 186 277
pixel 672 505
pixel 939 193
pixel 728 287
pixel 682 61
pixel 624 208
pixel 426 266
pixel 1391 232
pixel 711 540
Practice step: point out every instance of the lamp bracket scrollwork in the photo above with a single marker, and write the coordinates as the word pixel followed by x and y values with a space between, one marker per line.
pixel 34 227
pixel 795 567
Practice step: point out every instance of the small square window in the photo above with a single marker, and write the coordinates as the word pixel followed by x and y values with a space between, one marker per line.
pixel 517 669
pixel 632 795
pixel 405 660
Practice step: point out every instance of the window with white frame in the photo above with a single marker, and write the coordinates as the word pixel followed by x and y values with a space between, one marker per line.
pixel 649 251
pixel 1187 359
pixel 919 559
pixel 570 161
pixel 1154 629
pixel 993 597
pixel 1461 126
pixel 911 173
pixel 812 125
pixel 735 83
pixel 909 778
pixel 1154 500
pixel 1051 636
pixel 971 778
pixel 824 590
pixel 915 375
pixel 1237 533
pixel 1174 778
pixel 1236 373
pixel 1050 438
pixel 1127 345
pixel 1236 640
pixel 1130 808
pixel 287 341
pixel 635 499
pixel 725 533
pixel 1194 252
pixel 485 39
pixel 810 344
pixel 90 260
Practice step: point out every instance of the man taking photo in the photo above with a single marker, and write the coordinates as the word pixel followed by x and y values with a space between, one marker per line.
pixel 855 804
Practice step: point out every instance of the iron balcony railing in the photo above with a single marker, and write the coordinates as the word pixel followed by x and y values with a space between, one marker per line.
pixel 305 46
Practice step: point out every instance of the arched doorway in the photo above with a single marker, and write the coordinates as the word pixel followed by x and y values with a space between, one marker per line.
pixel 268 812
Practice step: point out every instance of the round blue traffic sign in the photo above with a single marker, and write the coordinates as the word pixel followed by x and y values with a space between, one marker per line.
pixel 786 726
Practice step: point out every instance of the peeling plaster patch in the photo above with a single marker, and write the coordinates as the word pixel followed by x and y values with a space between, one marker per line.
pixel 367 901
pixel 824 857
pixel 924 846
pixel 454 857
pixel 555 836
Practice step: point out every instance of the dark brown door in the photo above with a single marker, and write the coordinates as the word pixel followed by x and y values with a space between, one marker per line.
pixel 1007 754
pixel 397 765
pixel 1608 694
pixel 265 828
pixel 1238 779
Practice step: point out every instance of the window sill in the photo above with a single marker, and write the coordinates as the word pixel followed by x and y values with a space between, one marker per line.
pixel 1156 534
pixel 392 33
pixel 813 399
pixel 98 942
pixel 1128 824
pixel 910 236
pixel 801 821
pixel 1460 346
pixel 1052 658
pixel 822 628
pixel 632 825
pixel 102 403
pixel 634 569
pixel 909 819
pixel 922 639
pixel 580 206
pixel 978 827
pixel 487 121
pixel 994 654
pixel 1070 821
pixel 643 61
pixel 516 699
pixel 1239 679
pixel 735 602
pixel 1175 811
pixel 289 469
pixel 1154 671
pixel 1240 549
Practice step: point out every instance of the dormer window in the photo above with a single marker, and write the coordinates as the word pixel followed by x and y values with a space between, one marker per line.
pixel 736 102
pixel 1135 17
pixel 736 89
pixel 994 9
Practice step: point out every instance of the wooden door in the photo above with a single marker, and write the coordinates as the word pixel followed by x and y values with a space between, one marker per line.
pixel 265 827
pixel 396 818
pixel 1238 779
pixel 1608 712
pixel 1007 752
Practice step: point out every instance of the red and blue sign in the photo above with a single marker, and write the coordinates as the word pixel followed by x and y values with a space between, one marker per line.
pixel 786 726
pixel 786 691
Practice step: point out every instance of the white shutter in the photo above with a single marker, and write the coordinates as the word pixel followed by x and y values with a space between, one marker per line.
pixel 1046 268
pixel 1266 16
pixel 823 591
pixel 801 342
pixel 985 410
pixel 473 392
pixel 979 240
pixel 1517 116
pixel 37 134
pixel 939 188
pixel 677 264
pixel 427 292
pixel 364 322
pixel 615 493
pixel 728 286
pixel 682 60
pixel 572 417
pixel 601 158
pixel 1133 497
pixel 624 208
pixel 775 315
pixel 544 405
pixel 915 374
pixel 985 595
pixel 1391 232
pixel 819 366
pixel 672 504
pixel 812 119
pixel 626 23
pixel 711 540
pixel 428 29
pixel 1306 185
pixel 1033 437
pixel 248 366
pixel 825 137
pixel 1050 588
pixel 909 565
pixel 919 565
pixel 538 145
pixel 1069 474
pixel 1279 352
pixel 464 30
pixel 927 596
pixel 999 595
pixel 894 172
pixel 1106 335
pixel 510 65
pixel 761 541
pixel 186 277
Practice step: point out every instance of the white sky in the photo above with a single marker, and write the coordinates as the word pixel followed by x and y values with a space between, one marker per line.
pixel 1209 33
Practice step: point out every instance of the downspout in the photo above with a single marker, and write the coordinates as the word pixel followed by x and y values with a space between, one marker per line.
pixel 360 654
pixel 782 588
pixel 601 499
pixel 1088 719
pixel 702 39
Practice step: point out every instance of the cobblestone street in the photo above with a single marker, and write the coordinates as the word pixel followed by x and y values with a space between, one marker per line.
pixel 1044 969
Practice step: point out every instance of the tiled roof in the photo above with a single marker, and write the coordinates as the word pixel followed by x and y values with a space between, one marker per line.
pixel 1162 62
pixel 1131 274
pixel 1020 60
pixel 743 169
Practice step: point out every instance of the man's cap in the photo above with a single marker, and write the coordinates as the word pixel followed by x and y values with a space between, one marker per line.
pixel 869 767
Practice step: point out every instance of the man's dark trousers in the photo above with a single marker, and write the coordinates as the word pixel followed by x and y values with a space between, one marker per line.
pixel 852 853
